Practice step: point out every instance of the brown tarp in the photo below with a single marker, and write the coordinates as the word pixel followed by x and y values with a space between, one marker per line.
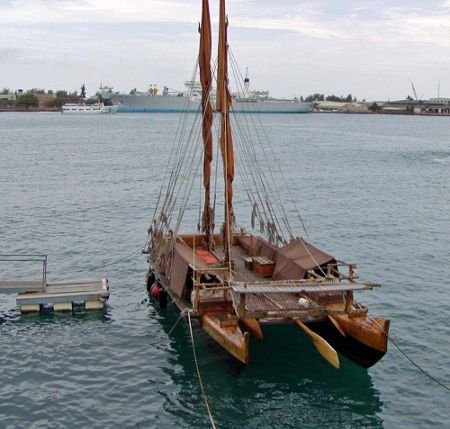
pixel 296 258
pixel 183 257
pixel 257 246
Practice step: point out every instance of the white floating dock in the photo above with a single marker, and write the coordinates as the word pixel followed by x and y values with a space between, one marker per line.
pixel 38 295
pixel 90 294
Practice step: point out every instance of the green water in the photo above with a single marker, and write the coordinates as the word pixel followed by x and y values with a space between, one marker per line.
pixel 373 190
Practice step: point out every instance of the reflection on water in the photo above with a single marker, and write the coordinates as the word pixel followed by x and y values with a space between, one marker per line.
pixel 47 317
pixel 286 381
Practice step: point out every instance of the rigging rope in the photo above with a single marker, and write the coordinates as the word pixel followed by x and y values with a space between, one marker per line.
pixel 202 388
pixel 272 157
pixel 171 156
pixel 264 186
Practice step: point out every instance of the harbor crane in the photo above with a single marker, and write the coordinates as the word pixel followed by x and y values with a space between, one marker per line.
pixel 414 90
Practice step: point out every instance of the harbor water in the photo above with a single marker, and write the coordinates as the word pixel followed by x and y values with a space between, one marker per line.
pixel 372 189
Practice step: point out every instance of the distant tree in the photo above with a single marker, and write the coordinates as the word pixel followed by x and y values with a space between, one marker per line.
pixel 55 102
pixel 36 91
pixel 374 107
pixel 5 91
pixel 333 98
pixel 315 97
pixel 27 100
pixel 61 93
pixel 50 92
pixel 5 103
pixel 349 98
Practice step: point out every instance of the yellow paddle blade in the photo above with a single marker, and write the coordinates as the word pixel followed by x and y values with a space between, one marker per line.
pixel 327 352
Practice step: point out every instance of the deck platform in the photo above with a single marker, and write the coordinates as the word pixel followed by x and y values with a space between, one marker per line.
pixel 90 294
pixel 22 286
pixel 38 295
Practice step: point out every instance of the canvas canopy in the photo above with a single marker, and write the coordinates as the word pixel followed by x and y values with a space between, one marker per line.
pixel 296 258
pixel 182 258
pixel 257 246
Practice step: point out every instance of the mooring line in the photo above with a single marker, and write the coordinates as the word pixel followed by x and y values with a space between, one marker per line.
pixel 171 330
pixel 123 258
pixel 418 366
pixel 199 375
pixel 411 360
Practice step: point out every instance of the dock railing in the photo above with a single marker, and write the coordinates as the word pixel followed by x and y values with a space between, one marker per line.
pixel 24 285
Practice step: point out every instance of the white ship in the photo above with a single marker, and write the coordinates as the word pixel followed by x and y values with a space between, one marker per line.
pixel 96 108
pixel 245 101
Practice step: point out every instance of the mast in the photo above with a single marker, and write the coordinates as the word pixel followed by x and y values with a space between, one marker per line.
pixel 204 60
pixel 223 102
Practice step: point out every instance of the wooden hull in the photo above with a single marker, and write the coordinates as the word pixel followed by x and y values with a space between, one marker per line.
pixel 356 345
pixel 361 344
pixel 226 332
pixel 371 332
pixel 232 365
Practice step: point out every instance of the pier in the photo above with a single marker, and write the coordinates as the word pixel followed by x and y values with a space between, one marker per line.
pixel 37 294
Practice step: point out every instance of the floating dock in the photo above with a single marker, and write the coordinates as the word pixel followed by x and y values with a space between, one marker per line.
pixel 87 294
pixel 39 295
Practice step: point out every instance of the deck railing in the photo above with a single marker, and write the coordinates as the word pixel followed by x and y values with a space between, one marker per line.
pixel 21 285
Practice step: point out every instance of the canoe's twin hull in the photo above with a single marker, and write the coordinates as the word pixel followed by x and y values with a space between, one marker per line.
pixel 352 348
pixel 227 333
pixel 364 342
pixel 360 344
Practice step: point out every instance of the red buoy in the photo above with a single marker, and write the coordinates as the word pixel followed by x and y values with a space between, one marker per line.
pixel 154 290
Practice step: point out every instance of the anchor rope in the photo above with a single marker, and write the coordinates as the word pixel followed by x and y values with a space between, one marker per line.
pixel 170 331
pixel 406 356
pixel 199 375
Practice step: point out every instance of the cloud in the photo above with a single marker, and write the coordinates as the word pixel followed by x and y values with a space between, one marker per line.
pixel 295 24
pixel 97 11
pixel 333 46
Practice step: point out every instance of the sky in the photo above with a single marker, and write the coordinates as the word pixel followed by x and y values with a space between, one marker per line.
pixel 372 49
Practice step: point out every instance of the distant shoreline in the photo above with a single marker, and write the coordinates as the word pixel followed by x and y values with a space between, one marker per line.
pixel 57 110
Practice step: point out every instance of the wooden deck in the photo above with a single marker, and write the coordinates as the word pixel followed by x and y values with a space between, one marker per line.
pixel 261 297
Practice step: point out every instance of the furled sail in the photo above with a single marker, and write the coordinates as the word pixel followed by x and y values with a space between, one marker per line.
pixel 223 103
pixel 205 79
